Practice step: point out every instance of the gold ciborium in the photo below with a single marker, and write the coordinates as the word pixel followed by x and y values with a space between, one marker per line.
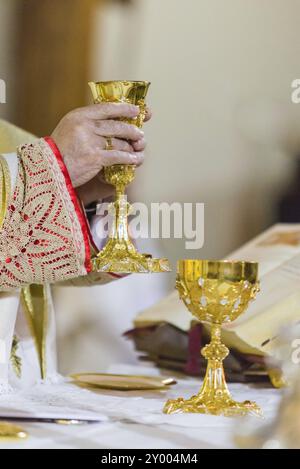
pixel 215 292
pixel 119 254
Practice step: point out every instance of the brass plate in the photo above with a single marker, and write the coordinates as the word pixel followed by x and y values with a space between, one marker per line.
pixel 122 382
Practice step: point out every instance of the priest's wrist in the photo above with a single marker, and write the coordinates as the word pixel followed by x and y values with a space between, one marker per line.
pixel 94 191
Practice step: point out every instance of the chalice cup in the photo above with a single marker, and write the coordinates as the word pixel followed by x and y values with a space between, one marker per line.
pixel 216 293
pixel 119 254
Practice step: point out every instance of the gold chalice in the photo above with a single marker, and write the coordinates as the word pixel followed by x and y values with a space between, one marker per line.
pixel 119 254
pixel 215 292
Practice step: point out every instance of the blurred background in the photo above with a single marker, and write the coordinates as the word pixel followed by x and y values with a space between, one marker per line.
pixel 224 132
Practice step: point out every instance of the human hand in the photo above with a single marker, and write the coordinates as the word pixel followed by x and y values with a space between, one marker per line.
pixel 81 139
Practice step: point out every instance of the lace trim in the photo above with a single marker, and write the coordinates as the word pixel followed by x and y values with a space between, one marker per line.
pixel 70 202
pixel 66 180
pixel 41 239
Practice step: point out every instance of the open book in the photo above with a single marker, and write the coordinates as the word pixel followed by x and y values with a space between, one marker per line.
pixel 277 305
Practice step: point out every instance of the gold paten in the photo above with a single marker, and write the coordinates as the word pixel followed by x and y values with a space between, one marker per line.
pixel 9 431
pixel 215 292
pixel 119 254
pixel 122 382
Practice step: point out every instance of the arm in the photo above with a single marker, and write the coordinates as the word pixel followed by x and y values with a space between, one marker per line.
pixel 43 236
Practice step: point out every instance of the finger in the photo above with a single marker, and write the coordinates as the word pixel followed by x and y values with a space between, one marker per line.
pixel 111 128
pixel 140 155
pixel 110 111
pixel 122 145
pixel 139 145
pixel 111 157
pixel 148 114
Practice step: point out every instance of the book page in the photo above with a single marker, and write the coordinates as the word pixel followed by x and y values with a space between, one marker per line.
pixel 278 252
pixel 271 248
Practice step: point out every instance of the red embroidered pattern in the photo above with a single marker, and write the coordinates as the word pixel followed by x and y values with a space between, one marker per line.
pixel 41 240
pixel 75 201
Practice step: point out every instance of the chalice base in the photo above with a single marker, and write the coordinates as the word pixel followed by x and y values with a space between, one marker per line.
pixel 221 405
pixel 120 256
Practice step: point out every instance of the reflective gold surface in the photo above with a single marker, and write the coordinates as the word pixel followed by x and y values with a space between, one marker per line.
pixel 5 188
pixel 215 292
pixel 122 382
pixel 119 254
pixel 9 431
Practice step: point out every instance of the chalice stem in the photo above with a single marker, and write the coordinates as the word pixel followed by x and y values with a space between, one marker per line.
pixel 214 385
pixel 121 209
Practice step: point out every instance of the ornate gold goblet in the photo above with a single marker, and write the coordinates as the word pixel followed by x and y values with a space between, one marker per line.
pixel 215 292
pixel 119 254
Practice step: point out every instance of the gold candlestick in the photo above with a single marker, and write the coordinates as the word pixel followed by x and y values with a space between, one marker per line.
pixel 215 292
pixel 119 254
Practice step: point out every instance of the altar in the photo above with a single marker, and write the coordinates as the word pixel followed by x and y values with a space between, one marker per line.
pixel 128 419
pixel 159 272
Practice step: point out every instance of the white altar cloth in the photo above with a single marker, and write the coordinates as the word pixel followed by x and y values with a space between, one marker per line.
pixel 129 419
